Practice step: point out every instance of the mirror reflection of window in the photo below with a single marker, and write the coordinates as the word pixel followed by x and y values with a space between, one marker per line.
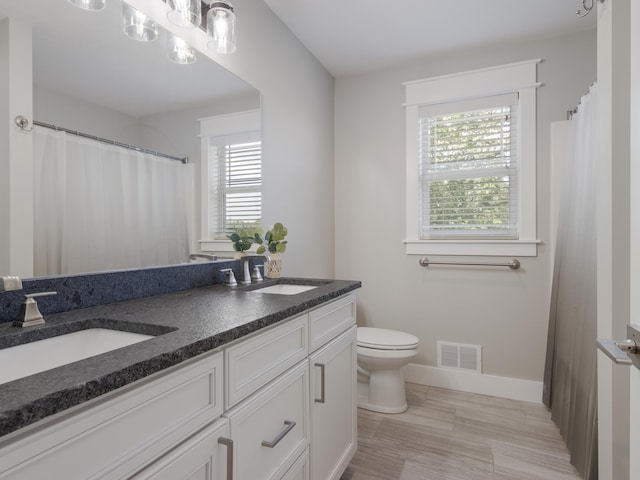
pixel 233 197
pixel 235 184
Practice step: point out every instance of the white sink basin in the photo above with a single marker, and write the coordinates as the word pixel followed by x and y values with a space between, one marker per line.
pixel 285 289
pixel 30 358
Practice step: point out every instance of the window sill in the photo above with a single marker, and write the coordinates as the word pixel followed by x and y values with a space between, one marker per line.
pixel 216 246
pixel 521 248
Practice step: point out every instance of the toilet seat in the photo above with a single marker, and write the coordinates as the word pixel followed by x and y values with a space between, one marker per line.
pixel 384 339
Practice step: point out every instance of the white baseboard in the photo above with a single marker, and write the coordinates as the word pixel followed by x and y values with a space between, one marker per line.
pixel 505 387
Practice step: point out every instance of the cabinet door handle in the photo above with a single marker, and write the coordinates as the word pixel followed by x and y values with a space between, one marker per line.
pixel 227 442
pixel 321 399
pixel 289 425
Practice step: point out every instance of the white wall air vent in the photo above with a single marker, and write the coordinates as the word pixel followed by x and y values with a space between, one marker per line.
pixel 460 356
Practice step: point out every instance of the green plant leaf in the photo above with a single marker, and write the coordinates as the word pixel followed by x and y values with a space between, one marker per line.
pixel 281 247
pixel 261 249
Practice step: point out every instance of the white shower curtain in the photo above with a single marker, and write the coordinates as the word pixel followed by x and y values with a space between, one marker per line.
pixel 103 207
pixel 570 370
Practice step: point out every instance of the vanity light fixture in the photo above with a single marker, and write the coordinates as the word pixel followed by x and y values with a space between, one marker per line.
pixel 180 51
pixel 221 27
pixel 91 5
pixel 137 25
pixel 185 13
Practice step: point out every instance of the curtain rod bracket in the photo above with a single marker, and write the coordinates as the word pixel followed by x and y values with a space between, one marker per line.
pixel 587 9
pixel 23 123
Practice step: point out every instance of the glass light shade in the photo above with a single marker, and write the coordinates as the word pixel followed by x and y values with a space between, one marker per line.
pixel 185 13
pixel 180 51
pixel 221 27
pixel 92 5
pixel 137 25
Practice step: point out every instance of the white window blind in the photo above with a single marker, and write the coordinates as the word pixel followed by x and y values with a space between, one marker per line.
pixel 469 168
pixel 235 183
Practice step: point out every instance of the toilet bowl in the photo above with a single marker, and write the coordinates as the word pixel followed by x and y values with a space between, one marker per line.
pixel 381 355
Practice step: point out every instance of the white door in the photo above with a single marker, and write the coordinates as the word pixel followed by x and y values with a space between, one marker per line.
pixel 634 371
pixel 634 418
pixel 618 75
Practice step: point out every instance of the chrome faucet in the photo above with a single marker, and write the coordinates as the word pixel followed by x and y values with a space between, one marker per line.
pixel 29 314
pixel 206 256
pixel 246 278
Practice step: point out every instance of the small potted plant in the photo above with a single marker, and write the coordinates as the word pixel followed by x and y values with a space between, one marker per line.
pixel 274 245
pixel 243 238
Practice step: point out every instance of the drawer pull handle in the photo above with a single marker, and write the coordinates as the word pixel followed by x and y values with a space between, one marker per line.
pixel 289 425
pixel 321 399
pixel 229 444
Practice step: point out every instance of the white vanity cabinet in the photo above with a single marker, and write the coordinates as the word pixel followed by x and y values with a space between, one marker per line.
pixel 333 389
pixel 280 407
pixel 115 437
pixel 276 405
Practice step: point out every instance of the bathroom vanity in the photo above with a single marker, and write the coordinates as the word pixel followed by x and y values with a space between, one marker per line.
pixel 235 384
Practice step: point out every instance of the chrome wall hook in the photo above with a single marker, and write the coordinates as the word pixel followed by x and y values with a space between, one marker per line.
pixel 587 8
pixel 23 123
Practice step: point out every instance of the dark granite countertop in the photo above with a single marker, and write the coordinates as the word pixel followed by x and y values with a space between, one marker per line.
pixel 188 323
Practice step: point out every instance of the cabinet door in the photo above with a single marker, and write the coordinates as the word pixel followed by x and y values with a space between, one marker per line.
pixel 203 457
pixel 333 407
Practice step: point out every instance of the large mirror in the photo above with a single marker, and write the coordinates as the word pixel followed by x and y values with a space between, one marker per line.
pixel 90 77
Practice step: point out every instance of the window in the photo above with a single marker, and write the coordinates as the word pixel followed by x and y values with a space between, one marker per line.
pixel 231 176
pixel 469 169
pixel 235 183
pixel 471 163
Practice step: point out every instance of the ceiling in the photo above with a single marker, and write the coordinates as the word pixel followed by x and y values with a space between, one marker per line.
pixel 351 37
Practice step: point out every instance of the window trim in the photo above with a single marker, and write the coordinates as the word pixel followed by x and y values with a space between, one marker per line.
pixel 518 78
pixel 248 121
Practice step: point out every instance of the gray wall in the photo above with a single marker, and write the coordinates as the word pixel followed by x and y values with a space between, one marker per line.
pixel 298 118
pixel 505 312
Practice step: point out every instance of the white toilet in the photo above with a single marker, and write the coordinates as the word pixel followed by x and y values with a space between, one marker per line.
pixel 381 355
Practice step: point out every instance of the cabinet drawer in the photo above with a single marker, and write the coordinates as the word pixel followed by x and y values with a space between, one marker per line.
pixel 331 320
pixel 256 361
pixel 270 429
pixel 300 469
pixel 114 438
pixel 202 457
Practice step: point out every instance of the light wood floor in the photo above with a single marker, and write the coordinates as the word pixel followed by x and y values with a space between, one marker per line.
pixel 449 435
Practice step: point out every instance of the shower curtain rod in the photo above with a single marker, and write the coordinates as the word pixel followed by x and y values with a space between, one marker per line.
pixel 184 160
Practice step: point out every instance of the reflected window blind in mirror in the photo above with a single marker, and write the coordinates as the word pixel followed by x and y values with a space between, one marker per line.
pixel 232 197
pixel 235 184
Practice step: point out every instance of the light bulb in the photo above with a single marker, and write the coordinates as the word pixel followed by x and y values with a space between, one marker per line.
pixel 221 27
pixel 92 5
pixel 180 51
pixel 185 13
pixel 137 25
